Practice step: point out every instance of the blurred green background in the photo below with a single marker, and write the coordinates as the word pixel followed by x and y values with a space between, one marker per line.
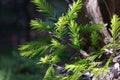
pixel 15 30
pixel 13 67
pixel 15 16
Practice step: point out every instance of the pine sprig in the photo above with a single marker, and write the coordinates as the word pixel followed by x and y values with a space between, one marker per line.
pixel 39 25
pixel 55 50
pixel 81 66
pixel 103 69
pixel 115 33
pixel 115 27
pixel 50 73
pixel 33 48
pixel 74 9
pixel 61 26
pixel 94 38
pixel 74 34
pixel 55 43
pixel 44 7
pixel 88 28
pixel 49 59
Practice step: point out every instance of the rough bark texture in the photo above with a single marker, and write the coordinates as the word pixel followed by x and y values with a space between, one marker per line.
pixel 95 15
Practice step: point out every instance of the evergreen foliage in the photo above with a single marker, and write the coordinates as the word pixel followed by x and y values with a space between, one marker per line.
pixel 44 7
pixel 115 27
pixel 33 48
pixel 94 38
pixel 115 32
pixel 74 34
pixel 65 34
pixel 50 73
pixel 114 44
pixel 89 28
pixel 74 9
pixel 39 25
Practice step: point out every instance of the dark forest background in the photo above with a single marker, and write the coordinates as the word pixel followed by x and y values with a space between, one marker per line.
pixel 15 16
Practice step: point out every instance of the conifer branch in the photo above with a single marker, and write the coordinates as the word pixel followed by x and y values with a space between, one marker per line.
pixel 44 7
pixel 39 25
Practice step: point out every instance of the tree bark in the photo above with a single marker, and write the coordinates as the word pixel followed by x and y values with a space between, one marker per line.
pixel 93 12
pixel 95 15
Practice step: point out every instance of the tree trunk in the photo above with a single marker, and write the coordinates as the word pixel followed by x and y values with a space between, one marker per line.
pixel 93 12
